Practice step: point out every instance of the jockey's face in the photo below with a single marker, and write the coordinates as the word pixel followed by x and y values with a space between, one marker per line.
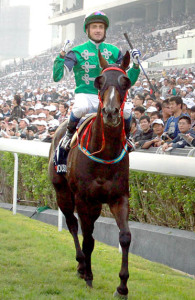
pixel 96 32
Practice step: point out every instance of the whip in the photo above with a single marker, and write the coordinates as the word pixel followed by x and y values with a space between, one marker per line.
pixel 131 46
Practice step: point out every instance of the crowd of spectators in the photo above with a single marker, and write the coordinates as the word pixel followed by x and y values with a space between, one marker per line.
pixel 32 106
pixel 146 38
pixel 142 35
pixel 160 117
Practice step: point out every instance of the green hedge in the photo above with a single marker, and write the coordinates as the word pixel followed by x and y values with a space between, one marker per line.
pixel 33 181
pixel 162 200
pixel 154 199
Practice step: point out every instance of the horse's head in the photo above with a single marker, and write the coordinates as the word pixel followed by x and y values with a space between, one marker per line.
pixel 112 85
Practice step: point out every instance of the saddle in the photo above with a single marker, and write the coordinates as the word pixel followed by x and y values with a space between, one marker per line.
pixel 84 121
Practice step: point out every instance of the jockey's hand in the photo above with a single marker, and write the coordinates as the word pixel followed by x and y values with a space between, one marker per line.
pixel 67 46
pixel 136 54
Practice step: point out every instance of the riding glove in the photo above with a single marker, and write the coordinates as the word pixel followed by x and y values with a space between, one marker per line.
pixel 136 54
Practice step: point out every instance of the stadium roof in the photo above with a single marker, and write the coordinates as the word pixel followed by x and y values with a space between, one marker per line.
pixel 65 18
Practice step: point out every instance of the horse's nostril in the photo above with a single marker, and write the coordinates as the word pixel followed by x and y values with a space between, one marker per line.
pixel 104 111
pixel 116 111
pixel 110 113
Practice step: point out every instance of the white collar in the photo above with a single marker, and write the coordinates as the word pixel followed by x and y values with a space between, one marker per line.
pixel 96 44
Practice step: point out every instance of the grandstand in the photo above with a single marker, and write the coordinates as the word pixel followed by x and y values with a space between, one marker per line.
pixel 125 12
pixel 152 25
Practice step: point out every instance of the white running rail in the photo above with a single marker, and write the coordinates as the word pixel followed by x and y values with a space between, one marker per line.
pixel 147 162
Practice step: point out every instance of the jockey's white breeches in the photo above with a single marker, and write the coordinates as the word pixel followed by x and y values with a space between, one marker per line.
pixel 88 103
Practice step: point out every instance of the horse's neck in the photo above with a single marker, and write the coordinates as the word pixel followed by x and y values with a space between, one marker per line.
pixel 113 138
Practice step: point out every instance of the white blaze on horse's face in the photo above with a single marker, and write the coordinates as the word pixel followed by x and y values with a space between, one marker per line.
pixel 112 94
pixel 111 107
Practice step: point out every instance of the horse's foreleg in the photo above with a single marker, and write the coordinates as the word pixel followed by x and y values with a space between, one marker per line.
pixel 66 204
pixel 120 210
pixel 88 215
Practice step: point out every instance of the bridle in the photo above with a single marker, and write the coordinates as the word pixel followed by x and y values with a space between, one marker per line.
pixel 89 127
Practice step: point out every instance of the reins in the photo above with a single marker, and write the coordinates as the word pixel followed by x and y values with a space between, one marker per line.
pixel 89 127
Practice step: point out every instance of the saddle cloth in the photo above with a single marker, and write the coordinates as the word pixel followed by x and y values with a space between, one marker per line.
pixel 60 156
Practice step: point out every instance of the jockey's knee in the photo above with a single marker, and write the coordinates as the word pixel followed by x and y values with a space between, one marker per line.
pixel 127 112
pixel 80 112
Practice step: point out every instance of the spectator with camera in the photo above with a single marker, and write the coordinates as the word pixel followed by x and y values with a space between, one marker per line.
pixel 184 125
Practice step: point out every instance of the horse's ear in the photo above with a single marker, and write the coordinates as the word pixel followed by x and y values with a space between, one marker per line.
pixel 99 82
pixel 126 61
pixel 103 62
pixel 124 82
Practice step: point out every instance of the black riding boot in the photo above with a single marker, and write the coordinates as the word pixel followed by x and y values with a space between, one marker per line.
pixel 61 153
pixel 130 143
pixel 71 128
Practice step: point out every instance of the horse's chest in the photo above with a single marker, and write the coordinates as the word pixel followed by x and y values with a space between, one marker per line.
pixel 103 190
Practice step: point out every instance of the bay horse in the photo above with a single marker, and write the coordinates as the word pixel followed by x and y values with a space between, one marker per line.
pixel 96 176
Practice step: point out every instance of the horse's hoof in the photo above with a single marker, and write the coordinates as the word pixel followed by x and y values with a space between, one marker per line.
pixel 119 296
pixel 89 283
pixel 80 275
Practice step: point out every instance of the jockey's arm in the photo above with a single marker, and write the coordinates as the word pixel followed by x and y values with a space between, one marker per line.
pixel 63 65
pixel 132 73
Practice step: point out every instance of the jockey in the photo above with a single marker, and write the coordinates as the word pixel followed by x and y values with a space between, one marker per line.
pixel 83 59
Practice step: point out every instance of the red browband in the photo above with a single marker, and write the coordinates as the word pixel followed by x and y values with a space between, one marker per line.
pixel 114 68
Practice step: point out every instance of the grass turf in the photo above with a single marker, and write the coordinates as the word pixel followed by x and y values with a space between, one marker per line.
pixel 37 262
